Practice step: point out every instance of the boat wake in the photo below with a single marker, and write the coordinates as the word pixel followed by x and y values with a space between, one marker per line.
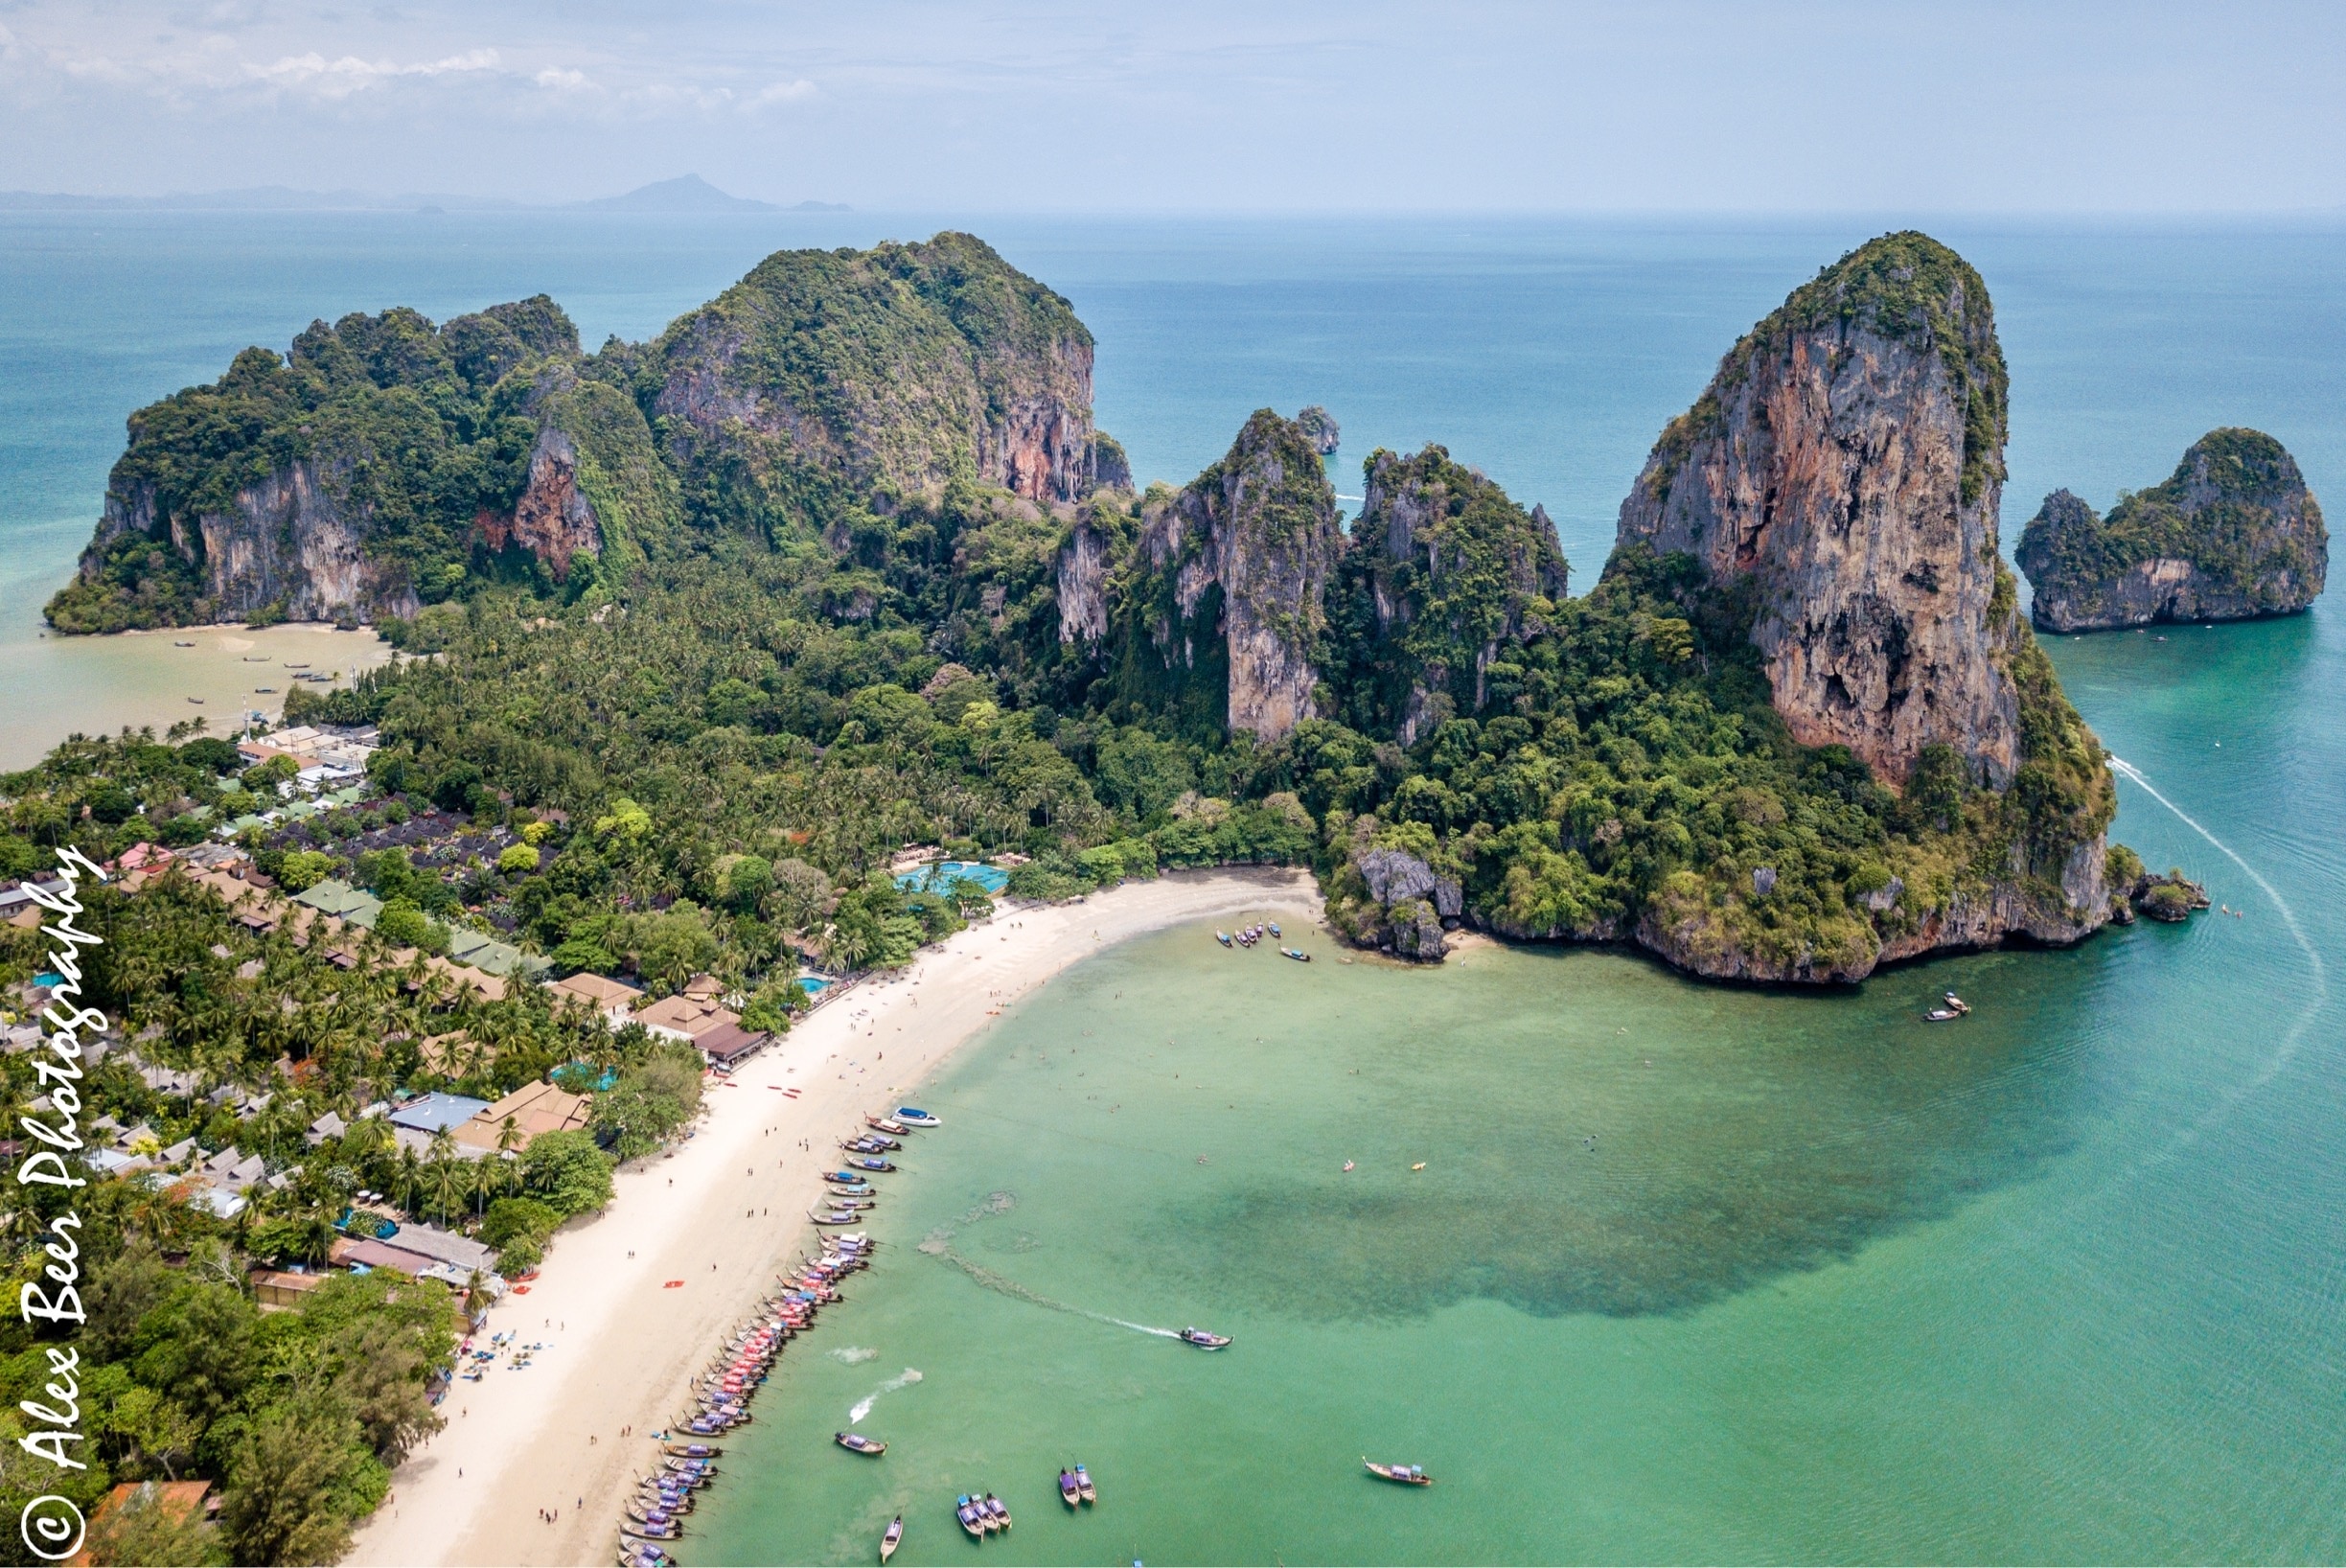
pixel 1017 1292
pixel 850 1355
pixel 2319 997
pixel 864 1406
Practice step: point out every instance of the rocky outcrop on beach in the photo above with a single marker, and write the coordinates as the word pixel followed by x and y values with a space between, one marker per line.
pixel 1444 571
pixel 2231 535
pixel 1385 898
pixel 1222 599
pixel 889 371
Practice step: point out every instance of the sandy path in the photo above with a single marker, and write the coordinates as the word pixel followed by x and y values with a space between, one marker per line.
pixel 723 1214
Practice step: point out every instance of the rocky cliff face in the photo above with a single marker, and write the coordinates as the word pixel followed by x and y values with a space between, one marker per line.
pixel 1845 465
pixel 294 544
pixel 890 370
pixel 1838 484
pixel 1223 600
pixel 2234 533
pixel 1444 573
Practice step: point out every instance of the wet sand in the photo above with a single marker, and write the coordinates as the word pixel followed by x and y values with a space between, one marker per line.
pixel 61 686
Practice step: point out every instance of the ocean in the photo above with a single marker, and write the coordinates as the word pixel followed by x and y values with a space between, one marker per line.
pixel 1690 1273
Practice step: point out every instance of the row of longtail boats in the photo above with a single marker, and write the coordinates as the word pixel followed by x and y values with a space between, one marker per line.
pixel 657 1509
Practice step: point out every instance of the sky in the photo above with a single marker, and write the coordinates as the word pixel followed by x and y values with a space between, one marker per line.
pixel 2220 107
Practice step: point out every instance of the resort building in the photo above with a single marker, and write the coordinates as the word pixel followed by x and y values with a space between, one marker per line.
pixel 686 1018
pixel 613 1000
pixel 534 1108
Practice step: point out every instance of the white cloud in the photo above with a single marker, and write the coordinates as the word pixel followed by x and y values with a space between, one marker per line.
pixel 340 78
pixel 557 79
pixel 786 92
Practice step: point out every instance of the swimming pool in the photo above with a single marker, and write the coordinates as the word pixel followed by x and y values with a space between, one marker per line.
pixel 938 878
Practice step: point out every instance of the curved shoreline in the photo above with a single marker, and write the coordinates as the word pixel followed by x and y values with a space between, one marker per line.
pixel 622 1346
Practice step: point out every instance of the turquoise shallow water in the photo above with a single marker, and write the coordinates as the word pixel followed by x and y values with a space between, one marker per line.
pixel 2063 1283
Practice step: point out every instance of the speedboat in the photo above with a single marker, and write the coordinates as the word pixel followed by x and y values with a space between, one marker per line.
pixel 972 1517
pixel 895 1533
pixel 857 1443
pixel 1083 1480
pixel 1203 1340
pixel 1408 1475
pixel 912 1116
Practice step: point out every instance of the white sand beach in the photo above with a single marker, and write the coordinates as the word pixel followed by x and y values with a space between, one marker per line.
pixel 724 1214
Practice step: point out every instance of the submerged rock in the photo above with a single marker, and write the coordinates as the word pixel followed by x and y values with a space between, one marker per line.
pixel 2233 533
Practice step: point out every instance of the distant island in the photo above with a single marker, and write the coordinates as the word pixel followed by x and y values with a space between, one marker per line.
pixel 2232 534
pixel 859 523
pixel 686 194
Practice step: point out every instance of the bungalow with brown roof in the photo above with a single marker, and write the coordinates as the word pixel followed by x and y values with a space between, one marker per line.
pixel 728 1043
pixel 178 1501
pixel 535 1109
pixel 605 996
pixel 685 1018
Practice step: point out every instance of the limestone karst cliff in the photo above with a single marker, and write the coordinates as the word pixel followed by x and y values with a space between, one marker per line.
pixel 385 463
pixel 2232 534
pixel 889 371
pixel 1845 466
pixel 1443 573
pixel 1837 488
pixel 1213 612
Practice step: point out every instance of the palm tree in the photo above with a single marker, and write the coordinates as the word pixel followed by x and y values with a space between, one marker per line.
pixel 410 1178
pixel 446 1184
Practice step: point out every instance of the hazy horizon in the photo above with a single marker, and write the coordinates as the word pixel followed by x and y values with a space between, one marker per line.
pixel 1691 108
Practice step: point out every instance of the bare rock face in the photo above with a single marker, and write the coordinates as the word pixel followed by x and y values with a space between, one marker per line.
pixel 1230 576
pixel 553 520
pixel 1082 589
pixel 1846 463
pixel 2233 534
pixel 1443 574
pixel 1388 899
pixel 890 370
pixel 293 545
pixel 1838 484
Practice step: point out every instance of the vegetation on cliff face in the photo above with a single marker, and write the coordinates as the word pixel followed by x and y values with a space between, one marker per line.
pixel 2233 532
pixel 409 432
pixel 385 465
pixel 1443 571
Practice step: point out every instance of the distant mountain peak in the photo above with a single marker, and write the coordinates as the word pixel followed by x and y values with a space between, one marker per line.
pixel 685 193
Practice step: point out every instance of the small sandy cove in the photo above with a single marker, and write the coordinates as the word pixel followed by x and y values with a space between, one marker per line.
pixel 724 1214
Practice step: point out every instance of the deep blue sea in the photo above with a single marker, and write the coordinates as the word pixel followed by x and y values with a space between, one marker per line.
pixel 2071 1286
